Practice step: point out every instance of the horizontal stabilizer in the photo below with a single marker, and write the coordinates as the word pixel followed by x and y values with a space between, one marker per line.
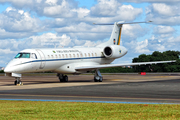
pixel 84 68
pixel 121 23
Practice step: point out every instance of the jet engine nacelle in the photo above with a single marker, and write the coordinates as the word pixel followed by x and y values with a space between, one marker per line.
pixel 114 51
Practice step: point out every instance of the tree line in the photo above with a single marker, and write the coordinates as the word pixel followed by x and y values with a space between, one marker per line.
pixel 158 56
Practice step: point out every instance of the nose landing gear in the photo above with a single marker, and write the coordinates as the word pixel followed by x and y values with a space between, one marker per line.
pixel 18 82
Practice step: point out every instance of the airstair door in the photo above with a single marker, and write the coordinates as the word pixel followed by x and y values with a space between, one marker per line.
pixel 42 58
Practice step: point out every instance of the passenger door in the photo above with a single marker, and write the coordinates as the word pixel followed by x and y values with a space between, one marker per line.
pixel 42 58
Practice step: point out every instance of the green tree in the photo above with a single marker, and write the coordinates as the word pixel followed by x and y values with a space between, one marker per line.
pixel 117 70
pixel 158 56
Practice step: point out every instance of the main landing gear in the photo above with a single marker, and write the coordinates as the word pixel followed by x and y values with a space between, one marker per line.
pixel 18 81
pixel 97 76
pixel 62 77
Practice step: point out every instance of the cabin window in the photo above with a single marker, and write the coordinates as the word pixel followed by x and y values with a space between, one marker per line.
pixel 56 56
pixel 70 55
pixel 23 55
pixel 63 55
pixel 59 56
pixel 89 54
pixel 85 55
pixel 74 55
pixel 78 55
pixel 92 55
pixel 33 55
pixel 96 54
pixel 81 55
pixel 52 56
pixel 48 56
pixel 66 56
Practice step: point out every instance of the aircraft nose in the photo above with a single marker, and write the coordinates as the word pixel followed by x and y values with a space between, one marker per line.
pixel 7 69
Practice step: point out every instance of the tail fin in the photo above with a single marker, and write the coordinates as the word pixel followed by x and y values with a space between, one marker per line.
pixel 115 38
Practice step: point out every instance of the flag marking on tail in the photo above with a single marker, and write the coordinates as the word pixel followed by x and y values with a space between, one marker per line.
pixel 119 38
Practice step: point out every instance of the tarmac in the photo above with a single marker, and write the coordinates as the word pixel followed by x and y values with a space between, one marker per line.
pixel 135 88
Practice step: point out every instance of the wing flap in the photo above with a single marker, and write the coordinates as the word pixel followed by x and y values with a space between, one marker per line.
pixel 84 68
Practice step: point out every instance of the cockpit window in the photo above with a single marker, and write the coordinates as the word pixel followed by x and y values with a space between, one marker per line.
pixel 23 55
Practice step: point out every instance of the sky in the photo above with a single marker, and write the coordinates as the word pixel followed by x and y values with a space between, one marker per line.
pixel 67 23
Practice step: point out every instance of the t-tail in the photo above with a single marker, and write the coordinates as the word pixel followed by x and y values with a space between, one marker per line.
pixel 115 38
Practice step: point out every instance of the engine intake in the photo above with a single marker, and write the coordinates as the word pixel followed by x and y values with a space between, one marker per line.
pixel 114 51
pixel 107 51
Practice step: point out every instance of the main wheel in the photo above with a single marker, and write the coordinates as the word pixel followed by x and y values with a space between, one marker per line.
pixel 65 78
pixel 100 79
pixel 96 79
pixel 61 80
pixel 15 82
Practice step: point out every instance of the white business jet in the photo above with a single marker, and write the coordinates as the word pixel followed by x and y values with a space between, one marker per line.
pixel 74 60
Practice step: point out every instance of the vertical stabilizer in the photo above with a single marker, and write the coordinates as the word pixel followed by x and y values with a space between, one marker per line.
pixel 115 38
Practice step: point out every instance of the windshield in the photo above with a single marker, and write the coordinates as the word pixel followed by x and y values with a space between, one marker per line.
pixel 23 55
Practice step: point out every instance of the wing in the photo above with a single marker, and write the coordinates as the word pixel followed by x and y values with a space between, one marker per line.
pixel 84 68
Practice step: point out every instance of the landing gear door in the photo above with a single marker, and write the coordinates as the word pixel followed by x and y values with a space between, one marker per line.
pixel 42 58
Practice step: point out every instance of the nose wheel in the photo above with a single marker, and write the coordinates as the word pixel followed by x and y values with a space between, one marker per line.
pixel 18 82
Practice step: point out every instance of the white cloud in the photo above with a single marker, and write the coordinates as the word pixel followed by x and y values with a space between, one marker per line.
pixel 157 47
pixel 19 3
pixel 18 24
pixel 9 9
pixel 163 29
pixel 63 10
pixel 150 1
pixel 84 27
pixel 128 12
pixel 164 14
pixel 10 35
pixel 51 2
pixel 6 51
pixel 105 8
pixel 82 12
pixel 50 40
pixel 141 47
pixel 131 32
pixel 115 11
pixel 138 47
pixel 89 44
pixel 175 40
pixel 83 31
pixel 163 9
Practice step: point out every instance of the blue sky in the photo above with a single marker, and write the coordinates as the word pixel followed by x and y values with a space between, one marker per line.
pixel 67 23
pixel 86 3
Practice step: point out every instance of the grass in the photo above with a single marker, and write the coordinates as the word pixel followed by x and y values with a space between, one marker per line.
pixel 82 111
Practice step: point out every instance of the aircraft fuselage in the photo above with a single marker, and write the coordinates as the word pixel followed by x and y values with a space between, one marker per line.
pixel 63 60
